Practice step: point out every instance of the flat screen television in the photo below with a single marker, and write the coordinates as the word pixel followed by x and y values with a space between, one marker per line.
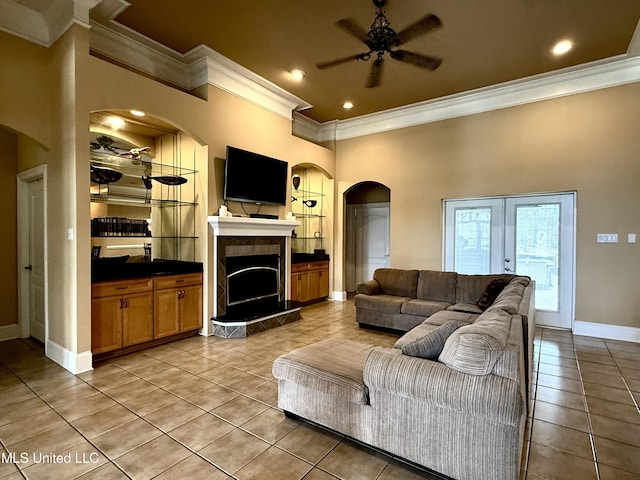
pixel 255 178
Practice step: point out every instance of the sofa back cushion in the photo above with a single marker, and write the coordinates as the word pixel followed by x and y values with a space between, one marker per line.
pixel 401 283
pixel 469 288
pixel 510 297
pixel 437 286
pixel 476 348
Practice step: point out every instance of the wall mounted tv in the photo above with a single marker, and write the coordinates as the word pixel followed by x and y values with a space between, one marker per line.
pixel 255 178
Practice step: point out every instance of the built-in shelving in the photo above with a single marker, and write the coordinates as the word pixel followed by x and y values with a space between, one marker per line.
pixel 308 206
pixel 141 193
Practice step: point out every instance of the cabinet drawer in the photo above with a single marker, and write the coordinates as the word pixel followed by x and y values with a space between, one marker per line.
pixel 120 287
pixel 305 267
pixel 173 281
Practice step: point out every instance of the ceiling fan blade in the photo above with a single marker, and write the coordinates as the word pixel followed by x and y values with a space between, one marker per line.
pixel 375 73
pixel 422 61
pixel 338 61
pixel 423 25
pixel 349 26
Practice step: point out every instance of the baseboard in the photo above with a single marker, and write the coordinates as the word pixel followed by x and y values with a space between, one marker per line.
pixel 74 362
pixel 9 332
pixel 603 330
pixel 338 296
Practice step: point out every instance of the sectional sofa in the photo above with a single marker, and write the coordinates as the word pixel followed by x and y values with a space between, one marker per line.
pixel 451 395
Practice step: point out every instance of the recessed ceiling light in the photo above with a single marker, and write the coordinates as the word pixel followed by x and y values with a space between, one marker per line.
pixel 297 73
pixel 562 47
pixel 137 113
pixel 347 105
pixel 115 123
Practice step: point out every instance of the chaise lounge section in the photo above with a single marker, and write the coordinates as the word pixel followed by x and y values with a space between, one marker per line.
pixel 451 395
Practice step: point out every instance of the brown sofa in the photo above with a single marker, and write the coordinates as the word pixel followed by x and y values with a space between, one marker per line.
pixel 401 299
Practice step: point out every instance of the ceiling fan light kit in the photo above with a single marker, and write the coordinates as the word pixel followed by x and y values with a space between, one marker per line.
pixel 381 38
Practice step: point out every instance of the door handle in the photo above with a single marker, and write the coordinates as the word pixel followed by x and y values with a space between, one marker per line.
pixel 29 267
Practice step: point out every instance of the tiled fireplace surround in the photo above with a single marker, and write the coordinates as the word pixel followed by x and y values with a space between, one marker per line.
pixel 238 236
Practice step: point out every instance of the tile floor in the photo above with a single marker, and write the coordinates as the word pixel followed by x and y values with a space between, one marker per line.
pixel 206 408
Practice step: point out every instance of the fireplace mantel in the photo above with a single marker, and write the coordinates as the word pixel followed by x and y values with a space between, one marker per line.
pixel 251 227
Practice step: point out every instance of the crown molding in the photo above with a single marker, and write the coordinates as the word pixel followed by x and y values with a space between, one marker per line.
pixel 208 66
pixel 47 26
pixel 593 76
pixel 198 67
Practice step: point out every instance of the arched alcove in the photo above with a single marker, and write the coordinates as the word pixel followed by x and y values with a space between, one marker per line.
pixel 367 214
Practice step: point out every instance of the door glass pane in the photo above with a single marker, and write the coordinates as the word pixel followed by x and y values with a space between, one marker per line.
pixel 537 250
pixel 472 241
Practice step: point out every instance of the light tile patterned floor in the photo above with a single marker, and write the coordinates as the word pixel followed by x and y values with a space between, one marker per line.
pixel 206 408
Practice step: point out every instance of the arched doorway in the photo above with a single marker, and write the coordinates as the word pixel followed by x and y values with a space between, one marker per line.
pixel 367 231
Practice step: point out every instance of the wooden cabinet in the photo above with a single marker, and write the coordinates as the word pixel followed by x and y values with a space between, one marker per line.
pixel 310 281
pixel 137 312
pixel 178 304
pixel 121 314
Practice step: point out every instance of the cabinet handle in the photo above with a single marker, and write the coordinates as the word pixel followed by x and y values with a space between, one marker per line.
pixel 122 287
pixel 121 303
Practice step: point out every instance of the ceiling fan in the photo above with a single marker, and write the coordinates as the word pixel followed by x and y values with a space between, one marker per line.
pixel 381 38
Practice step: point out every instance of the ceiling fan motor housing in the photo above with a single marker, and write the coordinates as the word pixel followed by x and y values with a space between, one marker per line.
pixel 381 37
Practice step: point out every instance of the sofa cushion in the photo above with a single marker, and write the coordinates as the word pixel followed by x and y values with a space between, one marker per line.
pixel 509 298
pixel 401 283
pixel 414 334
pixel 423 308
pixel 491 292
pixel 470 287
pixel 382 303
pixel 466 308
pixel 437 286
pixel 463 318
pixel 476 348
pixel 333 367
pixel 430 345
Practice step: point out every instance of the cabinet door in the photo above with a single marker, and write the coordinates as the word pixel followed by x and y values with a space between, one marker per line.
pixel 323 283
pixel 299 286
pixel 314 285
pixel 190 308
pixel 106 324
pixel 166 312
pixel 137 321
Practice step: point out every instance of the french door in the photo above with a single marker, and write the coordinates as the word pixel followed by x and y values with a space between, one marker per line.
pixel 527 235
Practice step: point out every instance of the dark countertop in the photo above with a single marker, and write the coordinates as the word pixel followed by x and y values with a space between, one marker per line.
pixel 308 257
pixel 120 268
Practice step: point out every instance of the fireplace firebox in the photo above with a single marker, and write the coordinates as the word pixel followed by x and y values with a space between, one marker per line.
pixel 253 278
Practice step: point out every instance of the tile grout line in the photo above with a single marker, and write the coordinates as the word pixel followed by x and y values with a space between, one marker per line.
pixel 586 407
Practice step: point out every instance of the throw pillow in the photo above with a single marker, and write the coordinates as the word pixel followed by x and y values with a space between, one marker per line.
pixel 430 346
pixel 491 292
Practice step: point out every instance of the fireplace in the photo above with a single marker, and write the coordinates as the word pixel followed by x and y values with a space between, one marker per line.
pixel 251 271
pixel 252 279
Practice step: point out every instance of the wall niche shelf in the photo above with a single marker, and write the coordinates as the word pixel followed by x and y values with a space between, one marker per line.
pixel 308 203
pixel 161 194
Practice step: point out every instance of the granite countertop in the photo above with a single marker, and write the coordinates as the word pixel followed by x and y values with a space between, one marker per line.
pixel 308 257
pixel 119 268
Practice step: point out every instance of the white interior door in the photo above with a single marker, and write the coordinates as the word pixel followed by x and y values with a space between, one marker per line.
pixel 36 261
pixel 528 235
pixel 371 239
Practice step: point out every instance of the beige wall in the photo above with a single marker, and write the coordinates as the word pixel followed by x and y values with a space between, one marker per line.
pixel 8 229
pixel 65 85
pixel 587 143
